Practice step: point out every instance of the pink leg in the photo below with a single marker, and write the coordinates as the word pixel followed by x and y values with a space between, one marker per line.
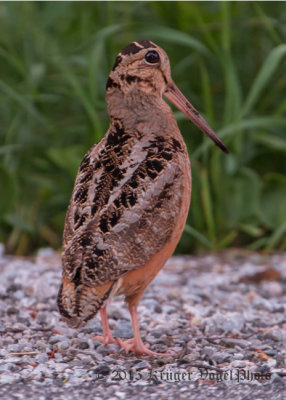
pixel 107 336
pixel 135 344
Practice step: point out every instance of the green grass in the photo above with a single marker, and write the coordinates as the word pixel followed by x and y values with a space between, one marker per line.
pixel 227 58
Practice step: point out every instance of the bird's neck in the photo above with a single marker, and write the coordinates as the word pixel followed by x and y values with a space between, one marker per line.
pixel 138 109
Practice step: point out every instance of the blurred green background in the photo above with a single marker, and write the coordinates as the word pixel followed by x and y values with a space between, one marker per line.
pixel 228 58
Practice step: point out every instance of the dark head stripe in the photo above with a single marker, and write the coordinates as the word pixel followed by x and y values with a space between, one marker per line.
pixel 146 44
pixel 131 49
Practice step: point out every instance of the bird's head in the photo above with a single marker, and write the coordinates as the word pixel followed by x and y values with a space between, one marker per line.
pixel 141 66
pixel 144 68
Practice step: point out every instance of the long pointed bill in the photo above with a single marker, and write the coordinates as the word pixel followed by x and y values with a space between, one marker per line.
pixel 176 97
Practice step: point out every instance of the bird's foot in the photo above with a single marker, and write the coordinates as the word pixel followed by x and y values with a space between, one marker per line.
pixel 138 347
pixel 106 339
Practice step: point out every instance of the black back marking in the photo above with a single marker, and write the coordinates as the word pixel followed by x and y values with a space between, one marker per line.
pixel 123 199
pixel 80 220
pixel 60 304
pixel 85 163
pixel 81 195
pixel 85 239
pixel 87 177
pixel 98 252
pixel 77 277
pixel 132 198
pixel 151 174
pixel 117 137
pixel 166 155
pixel 114 218
pixel 176 144
pixel 103 224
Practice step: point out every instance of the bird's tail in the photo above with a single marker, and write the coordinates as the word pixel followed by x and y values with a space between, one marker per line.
pixel 80 303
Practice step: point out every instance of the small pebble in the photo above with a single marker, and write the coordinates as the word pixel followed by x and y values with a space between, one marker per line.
pixel 123 331
pixel 142 365
pixel 64 345
pixel 12 310
pixel 83 345
pixel 41 358
pixel 263 304
pixel 158 309
pixel 271 352
pixel 102 370
pixel 220 358
pixel 221 323
pixel 231 342
pixel 56 338
pixel 238 364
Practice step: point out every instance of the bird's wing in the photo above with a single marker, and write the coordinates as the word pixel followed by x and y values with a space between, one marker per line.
pixel 124 208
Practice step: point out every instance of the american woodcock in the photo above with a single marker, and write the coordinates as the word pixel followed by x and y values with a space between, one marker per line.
pixel 131 195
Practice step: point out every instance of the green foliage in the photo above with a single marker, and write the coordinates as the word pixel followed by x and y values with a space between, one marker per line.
pixel 228 59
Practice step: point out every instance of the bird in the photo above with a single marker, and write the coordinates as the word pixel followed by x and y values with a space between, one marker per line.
pixel 131 196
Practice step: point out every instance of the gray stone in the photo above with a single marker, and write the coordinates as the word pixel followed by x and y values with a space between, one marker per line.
pixel 275 334
pixel 83 345
pixel 41 289
pixel 271 352
pixel 56 338
pixel 238 364
pixel 221 357
pixel 9 367
pixel 42 317
pixel 80 372
pixel 277 379
pixel 3 353
pixel 263 304
pixel 15 347
pixel 64 345
pixel 223 323
pixel 18 295
pixel 232 342
pixel 158 309
pixel 123 330
pixel 238 356
pixel 142 365
pixel 42 345
pixel 41 358
pixel 8 378
pixel 12 310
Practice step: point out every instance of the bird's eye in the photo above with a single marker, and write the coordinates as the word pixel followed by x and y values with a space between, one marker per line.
pixel 152 57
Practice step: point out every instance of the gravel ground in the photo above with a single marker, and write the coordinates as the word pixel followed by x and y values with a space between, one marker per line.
pixel 223 316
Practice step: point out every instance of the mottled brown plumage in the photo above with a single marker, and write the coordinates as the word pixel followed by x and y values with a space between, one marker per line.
pixel 131 195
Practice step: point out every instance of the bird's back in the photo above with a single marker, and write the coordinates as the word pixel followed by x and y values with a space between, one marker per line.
pixel 124 209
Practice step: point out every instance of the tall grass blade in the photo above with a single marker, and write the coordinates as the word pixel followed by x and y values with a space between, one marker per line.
pixel 277 235
pixel 237 127
pixel 198 236
pixel 23 101
pixel 207 206
pixel 175 36
pixel 265 74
